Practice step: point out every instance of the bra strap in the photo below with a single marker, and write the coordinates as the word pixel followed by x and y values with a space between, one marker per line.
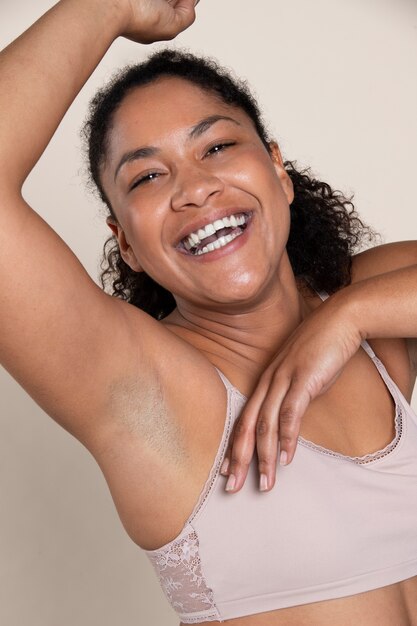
pixel 225 380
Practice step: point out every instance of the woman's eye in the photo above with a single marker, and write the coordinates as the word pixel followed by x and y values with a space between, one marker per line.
pixel 219 147
pixel 146 178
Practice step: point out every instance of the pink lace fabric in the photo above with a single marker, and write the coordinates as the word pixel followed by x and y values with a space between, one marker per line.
pixel 178 567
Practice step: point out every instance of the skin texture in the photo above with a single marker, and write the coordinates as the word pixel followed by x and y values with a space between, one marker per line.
pixel 150 419
pixel 102 381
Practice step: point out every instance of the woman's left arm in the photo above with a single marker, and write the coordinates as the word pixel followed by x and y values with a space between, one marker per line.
pixel 372 265
pixel 380 302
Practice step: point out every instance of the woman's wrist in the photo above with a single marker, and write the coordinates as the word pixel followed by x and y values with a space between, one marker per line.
pixel 112 15
pixel 379 306
pixel 347 306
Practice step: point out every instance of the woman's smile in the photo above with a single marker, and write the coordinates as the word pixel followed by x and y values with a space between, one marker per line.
pixel 216 236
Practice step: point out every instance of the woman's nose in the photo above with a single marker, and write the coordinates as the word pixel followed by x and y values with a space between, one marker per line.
pixel 194 187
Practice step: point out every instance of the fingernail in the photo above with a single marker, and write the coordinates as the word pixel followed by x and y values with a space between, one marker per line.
pixel 283 458
pixel 230 485
pixel 224 467
pixel 263 482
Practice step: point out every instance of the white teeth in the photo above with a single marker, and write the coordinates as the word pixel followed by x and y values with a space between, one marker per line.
pixel 219 243
pixel 210 229
pixel 218 224
pixel 231 221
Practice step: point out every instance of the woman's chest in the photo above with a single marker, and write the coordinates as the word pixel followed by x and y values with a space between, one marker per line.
pixel 156 496
pixel 357 415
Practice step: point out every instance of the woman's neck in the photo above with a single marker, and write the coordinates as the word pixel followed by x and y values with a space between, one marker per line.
pixel 249 339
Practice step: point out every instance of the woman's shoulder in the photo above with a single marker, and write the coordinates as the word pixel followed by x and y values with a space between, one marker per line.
pixel 398 355
pixel 383 258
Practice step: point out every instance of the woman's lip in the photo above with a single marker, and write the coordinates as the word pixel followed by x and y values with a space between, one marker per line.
pixel 227 249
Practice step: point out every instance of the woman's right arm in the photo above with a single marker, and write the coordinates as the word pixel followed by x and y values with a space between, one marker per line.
pixel 61 336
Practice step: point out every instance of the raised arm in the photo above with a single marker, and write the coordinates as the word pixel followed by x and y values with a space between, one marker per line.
pixel 58 330
pixel 47 66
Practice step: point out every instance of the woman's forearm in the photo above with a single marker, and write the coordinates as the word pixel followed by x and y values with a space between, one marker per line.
pixel 384 305
pixel 41 73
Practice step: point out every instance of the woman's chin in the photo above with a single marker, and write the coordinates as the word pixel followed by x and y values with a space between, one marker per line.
pixel 232 293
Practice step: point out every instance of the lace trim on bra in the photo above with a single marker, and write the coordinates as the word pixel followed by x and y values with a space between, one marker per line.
pixel 215 469
pixel 178 563
pixel 372 457
pixel 178 567
pixel 214 472
pixel 366 458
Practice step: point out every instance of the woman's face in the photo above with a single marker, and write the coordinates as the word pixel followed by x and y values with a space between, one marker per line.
pixel 178 160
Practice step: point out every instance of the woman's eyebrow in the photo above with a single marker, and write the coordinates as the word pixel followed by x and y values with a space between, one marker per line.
pixel 203 125
pixel 196 131
pixel 134 155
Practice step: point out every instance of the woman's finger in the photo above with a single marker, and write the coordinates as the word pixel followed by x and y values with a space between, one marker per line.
pixel 267 430
pixel 291 411
pixel 243 444
pixel 225 467
pixel 300 394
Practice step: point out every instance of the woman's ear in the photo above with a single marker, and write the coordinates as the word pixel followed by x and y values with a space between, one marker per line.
pixel 283 175
pixel 126 251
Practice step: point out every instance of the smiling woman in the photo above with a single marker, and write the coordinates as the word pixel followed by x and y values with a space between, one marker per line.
pixel 324 225
pixel 241 321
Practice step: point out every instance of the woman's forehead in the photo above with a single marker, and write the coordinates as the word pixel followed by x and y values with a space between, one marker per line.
pixel 167 90
pixel 162 107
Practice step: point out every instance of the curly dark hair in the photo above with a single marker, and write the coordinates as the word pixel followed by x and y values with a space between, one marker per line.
pixel 325 229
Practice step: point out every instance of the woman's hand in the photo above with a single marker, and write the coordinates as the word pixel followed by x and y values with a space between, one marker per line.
pixel 158 20
pixel 307 365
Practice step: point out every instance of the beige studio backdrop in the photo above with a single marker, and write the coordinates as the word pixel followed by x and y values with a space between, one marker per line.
pixel 337 80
